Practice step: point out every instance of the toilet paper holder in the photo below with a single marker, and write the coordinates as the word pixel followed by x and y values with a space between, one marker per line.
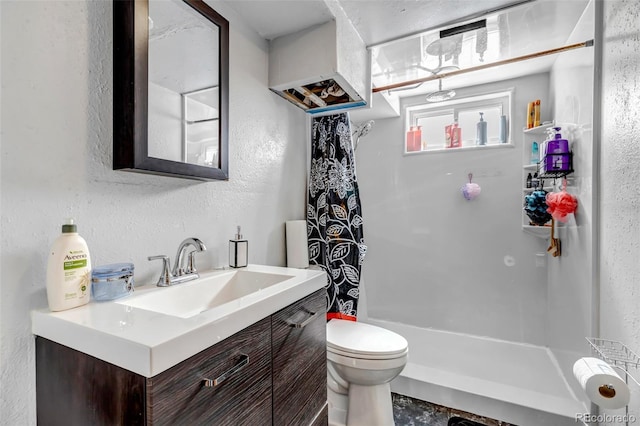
pixel 619 356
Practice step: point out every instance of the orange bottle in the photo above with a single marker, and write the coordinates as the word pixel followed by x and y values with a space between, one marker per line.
pixel 530 115
pixel 536 113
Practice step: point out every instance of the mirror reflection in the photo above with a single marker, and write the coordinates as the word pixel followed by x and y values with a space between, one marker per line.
pixel 183 90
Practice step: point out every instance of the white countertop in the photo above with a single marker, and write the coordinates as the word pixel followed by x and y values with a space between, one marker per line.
pixel 149 343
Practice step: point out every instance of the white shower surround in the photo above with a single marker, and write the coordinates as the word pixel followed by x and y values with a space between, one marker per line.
pixel 438 260
pixel 435 293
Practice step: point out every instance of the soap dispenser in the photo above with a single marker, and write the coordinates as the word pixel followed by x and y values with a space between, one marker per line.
pixel 557 155
pixel 238 251
pixel 481 136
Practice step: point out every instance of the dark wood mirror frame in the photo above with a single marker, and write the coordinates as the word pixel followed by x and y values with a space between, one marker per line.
pixel 130 91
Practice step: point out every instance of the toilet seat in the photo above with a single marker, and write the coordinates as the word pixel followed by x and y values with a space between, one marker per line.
pixel 368 364
pixel 364 341
pixel 378 357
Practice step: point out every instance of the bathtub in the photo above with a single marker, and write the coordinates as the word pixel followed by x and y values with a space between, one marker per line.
pixel 513 382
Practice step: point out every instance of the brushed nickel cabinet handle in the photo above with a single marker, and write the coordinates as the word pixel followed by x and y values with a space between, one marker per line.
pixel 243 362
pixel 305 322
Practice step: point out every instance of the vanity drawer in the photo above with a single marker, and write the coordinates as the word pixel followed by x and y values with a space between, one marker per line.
pixel 180 395
pixel 300 361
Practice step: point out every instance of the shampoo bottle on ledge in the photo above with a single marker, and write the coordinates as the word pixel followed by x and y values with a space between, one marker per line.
pixel 238 251
pixel 535 153
pixel 481 136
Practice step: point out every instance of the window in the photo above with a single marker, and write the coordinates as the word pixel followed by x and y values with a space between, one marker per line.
pixel 453 124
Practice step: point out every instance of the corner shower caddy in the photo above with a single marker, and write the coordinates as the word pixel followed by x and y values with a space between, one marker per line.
pixel 541 231
pixel 619 356
pixel 530 135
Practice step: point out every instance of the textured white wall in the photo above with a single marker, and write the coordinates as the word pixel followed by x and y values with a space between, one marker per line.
pixel 56 162
pixel 620 173
pixel 437 260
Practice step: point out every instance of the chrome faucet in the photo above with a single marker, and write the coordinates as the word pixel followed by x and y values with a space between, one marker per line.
pixel 182 271
pixel 179 267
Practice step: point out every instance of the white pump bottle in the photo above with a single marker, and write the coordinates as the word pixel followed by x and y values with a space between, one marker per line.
pixel 68 270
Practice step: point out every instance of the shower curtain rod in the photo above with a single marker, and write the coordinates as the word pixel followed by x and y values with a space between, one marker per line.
pixel 588 43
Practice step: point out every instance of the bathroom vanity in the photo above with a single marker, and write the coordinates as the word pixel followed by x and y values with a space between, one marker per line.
pixel 271 371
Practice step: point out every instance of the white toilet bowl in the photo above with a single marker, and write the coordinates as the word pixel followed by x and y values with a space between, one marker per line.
pixel 361 361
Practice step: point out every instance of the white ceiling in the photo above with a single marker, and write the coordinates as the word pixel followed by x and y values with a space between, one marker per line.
pixel 376 20
pixel 274 18
pixel 533 26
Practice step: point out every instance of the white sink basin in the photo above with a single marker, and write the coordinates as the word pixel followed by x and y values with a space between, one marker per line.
pixel 156 328
pixel 209 291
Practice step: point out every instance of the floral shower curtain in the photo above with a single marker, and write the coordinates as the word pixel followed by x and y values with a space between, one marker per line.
pixel 334 215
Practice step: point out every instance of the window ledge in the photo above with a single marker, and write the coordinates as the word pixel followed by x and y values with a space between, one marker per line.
pixel 464 148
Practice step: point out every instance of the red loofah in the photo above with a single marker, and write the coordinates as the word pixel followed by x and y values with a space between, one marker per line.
pixel 560 204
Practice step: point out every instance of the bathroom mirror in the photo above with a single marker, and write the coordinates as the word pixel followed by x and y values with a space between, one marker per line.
pixel 170 80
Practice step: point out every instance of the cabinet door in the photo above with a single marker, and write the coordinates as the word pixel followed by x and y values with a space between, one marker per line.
pixel 180 395
pixel 73 388
pixel 300 361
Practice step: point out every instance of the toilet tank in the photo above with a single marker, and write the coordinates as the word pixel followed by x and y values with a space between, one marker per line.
pixel 322 68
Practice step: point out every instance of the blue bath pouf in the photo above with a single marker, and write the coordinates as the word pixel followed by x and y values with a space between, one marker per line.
pixel 535 206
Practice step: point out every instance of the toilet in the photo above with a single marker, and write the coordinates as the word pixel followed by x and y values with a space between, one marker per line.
pixel 361 361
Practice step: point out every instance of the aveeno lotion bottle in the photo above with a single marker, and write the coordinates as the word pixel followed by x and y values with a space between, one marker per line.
pixel 68 270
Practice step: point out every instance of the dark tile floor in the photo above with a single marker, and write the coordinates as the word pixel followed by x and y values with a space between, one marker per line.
pixel 408 411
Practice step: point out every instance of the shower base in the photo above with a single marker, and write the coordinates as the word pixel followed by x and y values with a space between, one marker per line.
pixel 512 382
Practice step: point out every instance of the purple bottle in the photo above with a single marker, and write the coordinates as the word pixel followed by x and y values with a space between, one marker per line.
pixel 557 156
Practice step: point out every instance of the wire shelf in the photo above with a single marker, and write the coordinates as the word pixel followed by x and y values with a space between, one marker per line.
pixel 619 356
pixel 614 352
pixel 556 165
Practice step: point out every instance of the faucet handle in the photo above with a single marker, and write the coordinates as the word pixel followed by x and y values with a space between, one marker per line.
pixel 165 276
pixel 191 264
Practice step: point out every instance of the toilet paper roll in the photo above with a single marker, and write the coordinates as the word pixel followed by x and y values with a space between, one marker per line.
pixel 297 248
pixel 601 383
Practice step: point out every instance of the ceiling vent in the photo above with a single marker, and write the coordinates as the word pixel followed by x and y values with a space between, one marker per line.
pixel 322 68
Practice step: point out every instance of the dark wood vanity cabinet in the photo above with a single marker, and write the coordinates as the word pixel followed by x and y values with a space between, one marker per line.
pixel 299 352
pixel 275 374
